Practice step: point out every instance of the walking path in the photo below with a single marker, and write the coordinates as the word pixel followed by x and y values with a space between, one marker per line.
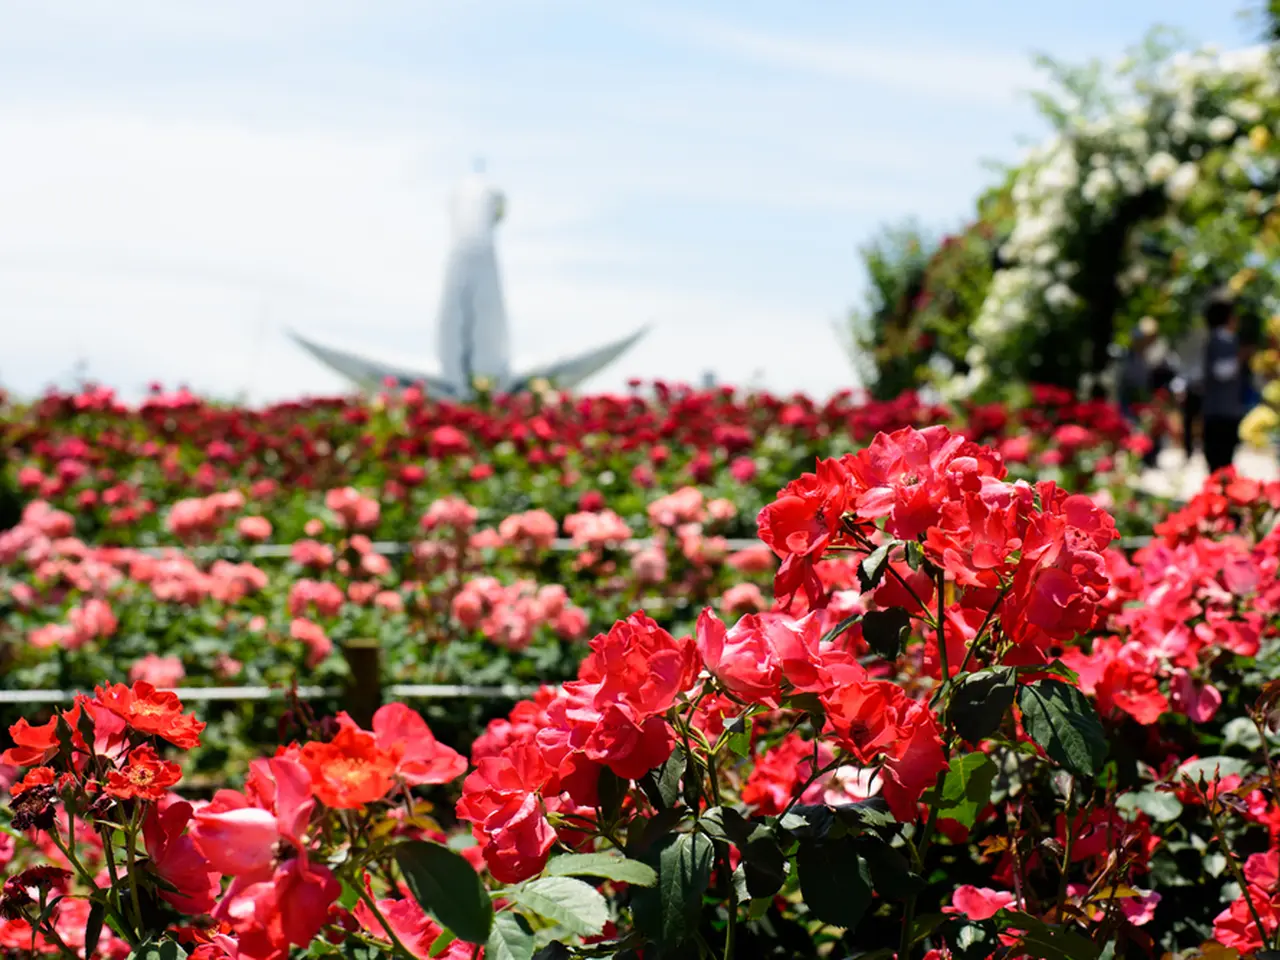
pixel 1175 477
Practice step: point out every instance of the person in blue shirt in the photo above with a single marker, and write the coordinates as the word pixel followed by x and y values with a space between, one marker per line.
pixel 1223 403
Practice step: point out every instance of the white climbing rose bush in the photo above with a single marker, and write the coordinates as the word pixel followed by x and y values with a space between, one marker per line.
pixel 1179 176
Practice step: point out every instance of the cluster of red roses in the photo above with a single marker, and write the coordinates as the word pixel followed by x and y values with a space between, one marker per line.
pixel 1030 555
pixel 1028 558
pixel 94 774
pixel 103 457
pixel 820 701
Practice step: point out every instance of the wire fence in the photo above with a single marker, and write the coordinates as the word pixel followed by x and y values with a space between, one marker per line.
pixel 389 691
pixel 394 691
pixel 392 548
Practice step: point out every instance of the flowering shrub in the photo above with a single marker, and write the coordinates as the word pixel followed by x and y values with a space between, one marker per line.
pixel 134 553
pixel 969 727
pixel 1152 190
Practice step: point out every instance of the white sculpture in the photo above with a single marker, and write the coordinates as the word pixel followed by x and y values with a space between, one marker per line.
pixel 472 335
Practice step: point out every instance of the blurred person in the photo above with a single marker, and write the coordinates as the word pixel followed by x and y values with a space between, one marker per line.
pixel 1144 371
pixel 1223 383
pixel 1188 386
pixel 1251 392
pixel 1135 370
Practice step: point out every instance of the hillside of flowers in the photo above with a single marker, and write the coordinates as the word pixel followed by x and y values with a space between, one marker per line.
pixel 805 679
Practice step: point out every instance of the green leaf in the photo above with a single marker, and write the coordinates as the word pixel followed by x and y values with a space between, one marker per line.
pixel 1058 668
pixel 871 569
pixel 764 865
pixel 891 874
pixel 576 906
pixel 644 832
pixel 1045 942
pixel 807 821
pixel 966 789
pixel 607 866
pixel 349 896
pixel 163 950
pixel 446 887
pixel 886 630
pixel 441 943
pixel 840 628
pixel 668 913
pixel 1062 721
pixel 662 784
pixel 65 736
pixel 1160 805
pixel 354 949
pixel 510 939
pixel 810 704
pixel 1212 768
pixel 915 554
pixel 85 725
pixel 981 701
pixel 740 739
pixel 835 881
pixel 725 823
pixel 974 940
pixel 612 790
pixel 872 812
pixel 93 926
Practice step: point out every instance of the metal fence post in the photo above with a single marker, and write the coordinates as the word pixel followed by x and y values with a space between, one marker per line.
pixel 364 686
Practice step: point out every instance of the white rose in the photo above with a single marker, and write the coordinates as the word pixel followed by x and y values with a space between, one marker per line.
pixel 1182 181
pixel 1045 254
pixel 1100 183
pixel 1246 111
pixel 1159 167
pixel 1059 295
pixel 1129 178
pixel 1221 128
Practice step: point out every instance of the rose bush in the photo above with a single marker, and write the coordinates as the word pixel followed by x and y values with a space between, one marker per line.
pixel 1155 187
pixel 525 527
pixel 969 725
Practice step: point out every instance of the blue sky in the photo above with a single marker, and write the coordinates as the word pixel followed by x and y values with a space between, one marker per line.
pixel 179 181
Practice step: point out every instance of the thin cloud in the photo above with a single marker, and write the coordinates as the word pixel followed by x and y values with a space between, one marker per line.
pixel 940 73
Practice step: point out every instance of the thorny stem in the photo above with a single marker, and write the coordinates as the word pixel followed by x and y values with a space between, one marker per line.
pixel 1017 858
pixel 114 892
pixel 926 836
pixel 713 777
pixel 867 544
pixel 818 772
pixel 130 844
pixel 49 930
pixel 595 824
pixel 1071 835
pixel 1231 863
pixel 977 637
pixel 125 928
pixel 919 851
pixel 942 640
pixel 1266 754
pixel 731 927
pixel 372 904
